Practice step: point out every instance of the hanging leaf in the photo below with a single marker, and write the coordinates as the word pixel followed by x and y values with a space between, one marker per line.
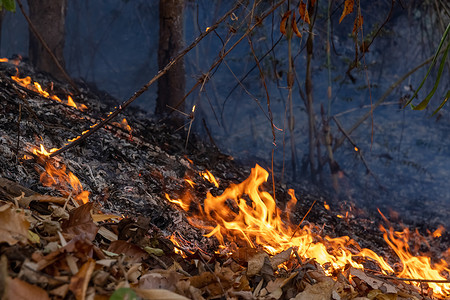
pixel 284 21
pixel 294 26
pixel 432 64
pixel 427 99
pixel 348 9
pixel 312 2
pixel 303 12
pixel 8 5
pixel 443 103
pixel 358 24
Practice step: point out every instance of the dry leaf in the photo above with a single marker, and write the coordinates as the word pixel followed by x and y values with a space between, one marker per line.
pixel 155 294
pixel 280 258
pixel 159 279
pixel 134 253
pixel 80 221
pixel 13 225
pixel 294 26
pixel 357 24
pixel 303 12
pixel 318 291
pixel 348 9
pixel 256 263
pixel 79 282
pixel 20 290
pixel 284 22
pixel 373 282
pixel 379 295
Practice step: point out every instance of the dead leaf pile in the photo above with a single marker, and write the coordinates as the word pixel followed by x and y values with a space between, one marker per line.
pixel 76 253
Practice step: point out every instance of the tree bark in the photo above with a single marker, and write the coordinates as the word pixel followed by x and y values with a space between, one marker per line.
pixel 171 86
pixel 48 17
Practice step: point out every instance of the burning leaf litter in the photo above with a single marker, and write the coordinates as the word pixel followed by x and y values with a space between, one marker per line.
pixel 261 254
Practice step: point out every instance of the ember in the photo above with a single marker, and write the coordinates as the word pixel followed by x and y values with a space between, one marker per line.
pixel 257 223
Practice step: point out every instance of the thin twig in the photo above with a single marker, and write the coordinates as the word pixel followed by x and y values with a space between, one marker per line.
pixel 412 279
pixel 44 44
pixel 358 149
pixel 303 219
pixel 146 86
pixel 381 100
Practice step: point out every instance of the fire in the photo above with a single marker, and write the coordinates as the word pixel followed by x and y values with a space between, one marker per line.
pixel 246 214
pixel 56 175
pixel 36 87
pixel 4 60
pixel 210 177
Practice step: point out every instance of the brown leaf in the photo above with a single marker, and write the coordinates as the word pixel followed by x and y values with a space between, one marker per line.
pixel 13 225
pixel 159 279
pixel 294 26
pixel 80 221
pixel 202 280
pixel 134 253
pixel 304 15
pixel 348 9
pixel 79 282
pixel 373 282
pixel 159 294
pixel 318 291
pixel 357 24
pixel 20 290
pixel 280 258
pixel 284 22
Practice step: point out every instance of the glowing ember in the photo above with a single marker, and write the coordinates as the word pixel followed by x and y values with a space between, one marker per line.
pixel 245 213
pixel 56 175
pixel 356 149
pixel 327 207
pixel 4 60
pixel 210 177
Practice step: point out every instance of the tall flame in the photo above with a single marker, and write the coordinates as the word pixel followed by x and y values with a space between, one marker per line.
pixel 245 213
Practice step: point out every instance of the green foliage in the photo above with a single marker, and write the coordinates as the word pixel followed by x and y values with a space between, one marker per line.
pixel 8 5
pixel 124 294
pixel 422 105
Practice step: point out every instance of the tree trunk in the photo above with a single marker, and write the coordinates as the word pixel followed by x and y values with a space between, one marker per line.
pixel 48 17
pixel 171 86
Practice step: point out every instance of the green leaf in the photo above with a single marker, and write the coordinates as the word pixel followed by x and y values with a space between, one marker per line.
pixel 443 103
pixel 432 64
pixel 8 5
pixel 424 103
pixel 124 294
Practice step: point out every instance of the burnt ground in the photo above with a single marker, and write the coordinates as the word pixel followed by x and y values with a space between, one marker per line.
pixel 128 174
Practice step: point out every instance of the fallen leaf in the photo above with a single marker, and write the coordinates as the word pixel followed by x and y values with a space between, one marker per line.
pixel 280 258
pixel 348 9
pixel 134 253
pixel 156 294
pixel 374 283
pixel 318 291
pixel 79 282
pixel 256 263
pixel 159 279
pixel 80 221
pixel 379 295
pixel 124 294
pixel 20 290
pixel 13 225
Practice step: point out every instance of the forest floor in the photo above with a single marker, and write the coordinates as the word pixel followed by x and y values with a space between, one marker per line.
pixel 114 234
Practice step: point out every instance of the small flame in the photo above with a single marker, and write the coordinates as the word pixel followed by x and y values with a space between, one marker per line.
pixel 438 232
pixel 56 175
pixel 4 60
pixel 356 149
pixel 70 102
pixel 210 177
pixel 327 207
pixel 190 182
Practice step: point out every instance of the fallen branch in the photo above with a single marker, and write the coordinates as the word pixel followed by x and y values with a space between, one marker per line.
pixel 44 44
pixel 412 279
pixel 146 86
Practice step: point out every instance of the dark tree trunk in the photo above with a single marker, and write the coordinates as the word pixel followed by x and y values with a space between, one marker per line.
pixel 171 86
pixel 48 16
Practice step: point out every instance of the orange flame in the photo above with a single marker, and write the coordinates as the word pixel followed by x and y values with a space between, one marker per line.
pixel 4 60
pixel 245 213
pixel 56 175
pixel 36 87
pixel 210 177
